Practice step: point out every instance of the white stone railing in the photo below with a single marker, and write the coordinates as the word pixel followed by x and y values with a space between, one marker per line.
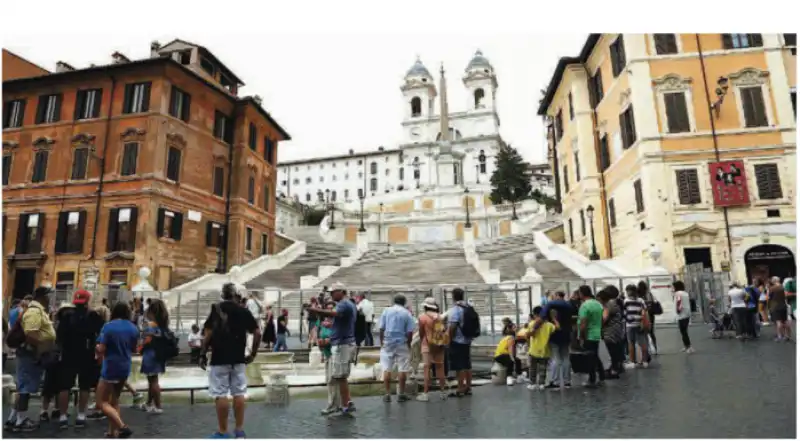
pixel 528 209
pixel 576 262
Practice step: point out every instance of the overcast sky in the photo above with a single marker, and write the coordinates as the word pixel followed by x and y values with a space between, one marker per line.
pixel 335 91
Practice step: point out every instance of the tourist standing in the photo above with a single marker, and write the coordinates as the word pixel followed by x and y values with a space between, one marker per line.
pixel 115 347
pixel 650 303
pixel 753 323
pixel 195 341
pixel 539 349
pixel 738 303
pixel 779 310
pixel 324 343
pixel 635 320
pixel 313 323
pixel 368 309
pixel 269 329
pixel 790 288
pixel 225 333
pixel 154 361
pixel 396 331
pixel 434 338
pixel 684 311
pixel 613 330
pixel 590 325
pixel 37 339
pixel 464 327
pixel 281 335
pixel 76 334
pixel 361 324
pixel 560 374
pixel 763 290
pixel 343 341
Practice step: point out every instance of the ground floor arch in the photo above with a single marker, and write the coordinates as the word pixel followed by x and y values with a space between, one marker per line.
pixel 769 260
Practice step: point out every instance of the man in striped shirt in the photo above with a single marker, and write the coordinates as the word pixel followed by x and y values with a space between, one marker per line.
pixel 635 314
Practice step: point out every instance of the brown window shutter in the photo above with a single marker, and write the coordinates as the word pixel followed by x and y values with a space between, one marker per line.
pixel 81 231
pixel 187 104
pixel 768 181
pixel 177 226
pixel 160 222
pixel 132 241
pixel 61 232
pixel 727 41
pixel 209 229
pixel 146 98
pixel 22 233
pixel 755 40
pixel 688 187
pixel 38 246
pixel 111 238
pixel 612 213
pixel 637 190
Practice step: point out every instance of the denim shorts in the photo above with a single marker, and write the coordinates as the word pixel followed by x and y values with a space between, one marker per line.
pixel 227 380
pixel 636 336
pixel 29 373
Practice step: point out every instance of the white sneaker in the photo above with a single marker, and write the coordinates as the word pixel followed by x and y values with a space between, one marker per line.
pixel 683 349
pixel 422 397
pixel 521 380
pixel 690 350
pixel 533 387
pixel 645 365
pixel 155 410
pixel 510 381
pixel 541 387
pixel 629 365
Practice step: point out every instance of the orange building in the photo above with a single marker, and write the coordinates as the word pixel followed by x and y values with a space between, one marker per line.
pixel 136 163
pixel 15 67
pixel 683 142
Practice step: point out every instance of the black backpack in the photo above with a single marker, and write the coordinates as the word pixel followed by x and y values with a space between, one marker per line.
pixel 167 345
pixel 470 322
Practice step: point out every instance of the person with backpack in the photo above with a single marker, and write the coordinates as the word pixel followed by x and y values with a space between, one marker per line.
pixel 226 330
pixel 560 367
pixel 158 345
pixel 434 338
pixel 33 337
pixel 653 309
pixel 539 335
pixel 590 326
pixel 396 331
pixel 76 334
pixel 464 327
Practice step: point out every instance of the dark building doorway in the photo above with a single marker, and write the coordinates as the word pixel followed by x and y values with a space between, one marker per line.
pixel 698 255
pixel 24 282
pixel 769 260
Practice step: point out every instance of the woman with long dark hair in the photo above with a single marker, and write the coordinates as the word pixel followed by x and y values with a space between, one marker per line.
pixel 613 330
pixel 269 329
pixel 153 363
pixel 644 293
pixel 115 348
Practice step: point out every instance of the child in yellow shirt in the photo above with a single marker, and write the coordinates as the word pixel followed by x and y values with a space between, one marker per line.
pixel 539 331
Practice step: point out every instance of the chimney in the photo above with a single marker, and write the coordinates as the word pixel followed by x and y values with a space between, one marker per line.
pixel 118 58
pixel 352 152
pixel 154 48
pixel 380 149
pixel 257 99
pixel 63 67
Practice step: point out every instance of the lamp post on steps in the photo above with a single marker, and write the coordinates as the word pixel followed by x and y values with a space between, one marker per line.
pixel 361 228
pixel 590 215
pixel 467 224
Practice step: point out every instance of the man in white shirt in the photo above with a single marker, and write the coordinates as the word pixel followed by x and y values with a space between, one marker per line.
pixel 368 309
pixel 254 306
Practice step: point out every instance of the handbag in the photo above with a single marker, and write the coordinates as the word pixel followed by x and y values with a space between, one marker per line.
pixel 656 308
pixel 16 336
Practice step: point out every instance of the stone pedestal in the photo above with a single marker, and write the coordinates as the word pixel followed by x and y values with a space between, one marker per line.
pixel 661 287
pixel 362 242
pixel 8 383
pixel 499 375
pixel 277 389
pixel 469 238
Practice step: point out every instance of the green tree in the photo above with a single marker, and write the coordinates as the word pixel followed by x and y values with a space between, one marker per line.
pixel 511 180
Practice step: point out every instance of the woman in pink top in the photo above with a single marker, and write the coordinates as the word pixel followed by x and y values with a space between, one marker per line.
pixel 431 354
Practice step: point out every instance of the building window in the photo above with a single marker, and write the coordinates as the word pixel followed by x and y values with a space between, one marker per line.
pixel 677 112
pixel 251 190
pixel 373 184
pixel 577 167
pixel 13 114
pixel 173 164
pixel 605 154
pixel 373 168
pixel 583 223
pixel 688 186
pixel 627 127
pixel 308 180
pixel 333 178
pixel 49 110
pixel 80 163
pixel 69 233
pixel 6 168
pixel 248 239
pixel 741 41
pixel 308 197
pixel 170 224
pixel 264 244
pixel 571 233
pixel 768 181
pixel 87 104
pixel 322 179
pixel 253 137
pixel 791 41
pixel 566 180
pixel 269 154
pixel 214 234
pixel 207 66
pixel 793 97
pixel 387 172
pixel 179 104
pixel 755 113
pixel 121 229
pixel 559 126
pixel 596 88
pixel 665 44
pixel 130 154
pixel 266 197
pixel 637 192
pixel 571 110
pixel 223 127
pixel 333 196
pixel 219 181
pixel 346 195
pixel 401 174
pixel 29 233
pixel 416 107
pixel 40 166
pixel 612 213
pixel 618 60
pixel 478 98
pixel 137 98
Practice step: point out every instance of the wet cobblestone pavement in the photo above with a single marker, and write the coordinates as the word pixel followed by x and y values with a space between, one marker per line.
pixel 727 389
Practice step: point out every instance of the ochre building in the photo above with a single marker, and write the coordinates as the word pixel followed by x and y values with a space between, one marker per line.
pixel 684 142
pixel 136 163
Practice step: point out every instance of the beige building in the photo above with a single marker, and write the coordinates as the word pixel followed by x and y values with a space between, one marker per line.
pixel 681 141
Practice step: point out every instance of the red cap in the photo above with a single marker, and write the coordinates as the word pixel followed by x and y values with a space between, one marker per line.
pixel 81 297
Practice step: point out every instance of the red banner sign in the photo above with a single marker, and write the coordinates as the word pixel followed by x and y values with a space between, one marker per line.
pixel 728 183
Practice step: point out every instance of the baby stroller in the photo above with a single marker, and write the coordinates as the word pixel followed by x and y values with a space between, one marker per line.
pixel 720 324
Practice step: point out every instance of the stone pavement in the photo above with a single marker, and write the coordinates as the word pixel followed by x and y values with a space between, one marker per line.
pixel 727 389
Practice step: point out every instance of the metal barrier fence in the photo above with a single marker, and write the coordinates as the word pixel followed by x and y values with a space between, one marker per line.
pixel 493 302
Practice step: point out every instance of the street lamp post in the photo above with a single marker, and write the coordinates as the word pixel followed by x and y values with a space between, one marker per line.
pixel 513 192
pixel 467 224
pixel 477 173
pixel 590 215
pixel 380 221
pixel 361 228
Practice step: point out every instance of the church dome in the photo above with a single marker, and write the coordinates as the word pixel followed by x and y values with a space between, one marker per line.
pixel 418 70
pixel 479 62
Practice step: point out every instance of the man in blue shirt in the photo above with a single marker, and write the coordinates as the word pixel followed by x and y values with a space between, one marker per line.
pixel 397 329
pixel 460 346
pixel 343 342
pixel 559 340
